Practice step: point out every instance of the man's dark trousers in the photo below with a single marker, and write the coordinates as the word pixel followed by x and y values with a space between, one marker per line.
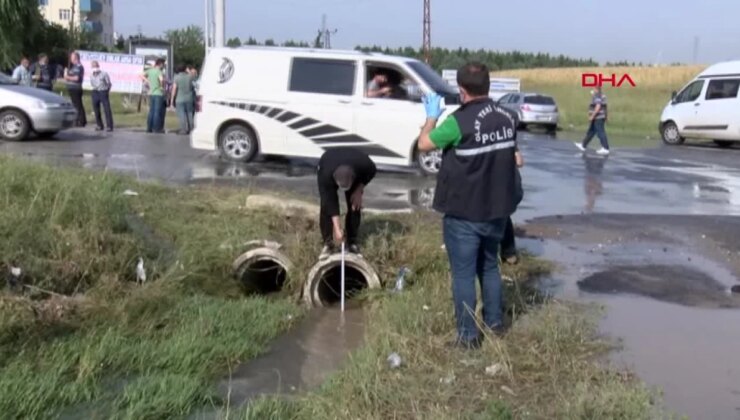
pixel 351 223
pixel 101 97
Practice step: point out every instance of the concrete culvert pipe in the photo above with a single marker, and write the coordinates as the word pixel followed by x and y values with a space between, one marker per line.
pixel 323 286
pixel 262 270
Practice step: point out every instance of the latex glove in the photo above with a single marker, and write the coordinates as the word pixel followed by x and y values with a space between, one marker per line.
pixel 433 105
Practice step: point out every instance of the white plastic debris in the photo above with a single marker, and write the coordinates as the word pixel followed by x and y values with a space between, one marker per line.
pixel 130 193
pixel 494 369
pixel 401 279
pixel 140 271
pixel 16 271
pixel 507 390
pixel 426 307
pixel 88 155
pixel 394 361
pixel 448 380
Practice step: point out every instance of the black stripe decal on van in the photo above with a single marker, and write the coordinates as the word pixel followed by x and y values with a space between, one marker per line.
pixel 316 134
pixel 347 138
pixel 303 123
pixel 706 127
pixel 321 130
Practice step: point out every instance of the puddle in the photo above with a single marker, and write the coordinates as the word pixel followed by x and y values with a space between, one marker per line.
pixel 298 361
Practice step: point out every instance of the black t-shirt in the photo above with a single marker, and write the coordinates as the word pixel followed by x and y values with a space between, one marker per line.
pixel 332 159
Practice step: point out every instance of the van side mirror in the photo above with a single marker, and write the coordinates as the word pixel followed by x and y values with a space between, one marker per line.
pixel 414 93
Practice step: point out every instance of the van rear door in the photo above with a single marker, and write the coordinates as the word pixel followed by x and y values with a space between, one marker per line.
pixel 321 110
pixel 719 112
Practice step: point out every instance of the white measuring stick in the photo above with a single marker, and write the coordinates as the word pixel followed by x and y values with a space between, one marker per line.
pixel 342 278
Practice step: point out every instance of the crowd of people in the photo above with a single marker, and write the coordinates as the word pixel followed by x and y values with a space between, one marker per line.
pixel 177 94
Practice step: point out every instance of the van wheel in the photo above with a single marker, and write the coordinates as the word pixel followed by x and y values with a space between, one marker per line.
pixel 237 143
pixel 670 134
pixel 429 162
pixel 724 143
pixel 14 126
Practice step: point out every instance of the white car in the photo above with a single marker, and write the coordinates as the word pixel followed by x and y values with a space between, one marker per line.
pixel 707 108
pixel 300 102
pixel 26 109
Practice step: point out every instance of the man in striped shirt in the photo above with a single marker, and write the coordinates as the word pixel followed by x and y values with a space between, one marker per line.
pixel 101 86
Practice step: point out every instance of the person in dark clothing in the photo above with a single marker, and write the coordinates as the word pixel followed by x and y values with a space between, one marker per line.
pixel 478 189
pixel 74 76
pixel 101 86
pixel 508 242
pixel 43 74
pixel 349 170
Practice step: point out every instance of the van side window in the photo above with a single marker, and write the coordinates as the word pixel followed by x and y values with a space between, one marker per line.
pixel 723 89
pixel 691 93
pixel 331 77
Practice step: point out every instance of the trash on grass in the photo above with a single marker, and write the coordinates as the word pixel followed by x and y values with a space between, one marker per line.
pixel 130 193
pixel 140 271
pixel 401 279
pixel 394 361
pixel 494 369
pixel 426 307
pixel 508 390
pixel 449 379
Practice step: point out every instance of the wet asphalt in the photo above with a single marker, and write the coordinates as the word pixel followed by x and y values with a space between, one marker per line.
pixel 652 234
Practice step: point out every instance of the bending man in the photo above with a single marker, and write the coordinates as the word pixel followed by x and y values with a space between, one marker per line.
pixel 349 170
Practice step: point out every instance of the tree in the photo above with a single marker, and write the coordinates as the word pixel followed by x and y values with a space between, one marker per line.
pixel 187 45
pixel 20 21
pixel 234 42
pixel 270 42
pixel 120 44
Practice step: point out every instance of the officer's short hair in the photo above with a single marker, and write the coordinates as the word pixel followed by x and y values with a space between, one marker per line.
pixel 475 79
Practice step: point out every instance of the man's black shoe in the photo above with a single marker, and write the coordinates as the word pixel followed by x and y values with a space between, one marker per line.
pixel 354 249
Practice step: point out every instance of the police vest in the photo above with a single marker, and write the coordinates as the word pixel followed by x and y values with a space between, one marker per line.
pixel 478 180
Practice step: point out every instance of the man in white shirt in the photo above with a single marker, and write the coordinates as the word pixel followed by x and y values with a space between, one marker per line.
pixel 21 73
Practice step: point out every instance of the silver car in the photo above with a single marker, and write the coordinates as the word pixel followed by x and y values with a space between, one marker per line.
pixel 532 109
pixel 26 109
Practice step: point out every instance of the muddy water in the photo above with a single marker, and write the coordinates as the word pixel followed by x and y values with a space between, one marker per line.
pixel 664 282
pixel 297 361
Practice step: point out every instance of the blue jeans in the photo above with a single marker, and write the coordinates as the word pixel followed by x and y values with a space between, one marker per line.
pixel 472 248
pixel 185 115
pixel 154 119
pixel 597 128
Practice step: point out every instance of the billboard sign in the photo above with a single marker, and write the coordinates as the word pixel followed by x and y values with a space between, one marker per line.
pixel 124 70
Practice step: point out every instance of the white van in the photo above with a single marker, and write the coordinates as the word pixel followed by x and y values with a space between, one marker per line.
pixel 707 108
pixel 301 102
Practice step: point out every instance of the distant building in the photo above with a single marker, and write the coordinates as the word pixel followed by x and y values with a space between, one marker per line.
pixel 95 16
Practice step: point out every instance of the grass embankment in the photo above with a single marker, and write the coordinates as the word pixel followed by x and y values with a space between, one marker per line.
pixel 118 350
pixel 124 108
pixel 633 111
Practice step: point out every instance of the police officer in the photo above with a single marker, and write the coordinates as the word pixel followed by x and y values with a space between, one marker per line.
pixel 349 170
pixel 477 190
pixel 597 116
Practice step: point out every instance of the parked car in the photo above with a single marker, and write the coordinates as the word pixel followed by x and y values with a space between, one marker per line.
pixel 532 109
pixel 707 108
pixel 301 102
pixel 25 109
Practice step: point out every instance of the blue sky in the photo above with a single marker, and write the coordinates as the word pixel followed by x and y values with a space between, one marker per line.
pixel 636 30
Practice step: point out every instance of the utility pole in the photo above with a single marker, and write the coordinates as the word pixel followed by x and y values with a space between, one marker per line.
pixel 220 23
pixel 207 27
pixel 323 40
pixel 427 43
pixel 696 50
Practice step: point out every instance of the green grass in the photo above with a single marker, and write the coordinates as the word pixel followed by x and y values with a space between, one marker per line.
pixel 104 347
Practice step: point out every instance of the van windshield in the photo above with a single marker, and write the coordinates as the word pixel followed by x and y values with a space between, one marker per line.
pixel 432 78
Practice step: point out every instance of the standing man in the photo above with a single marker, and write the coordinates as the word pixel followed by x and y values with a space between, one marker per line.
pixel 477 191
pixel 597 116
pixel 101 86
pixel 42 74
pixel 74 76
pixel 154 79
pixel 21 74
pixel 182 99
pixel 348 170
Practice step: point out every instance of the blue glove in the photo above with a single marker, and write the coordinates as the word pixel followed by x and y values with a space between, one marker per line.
pixel 433 105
